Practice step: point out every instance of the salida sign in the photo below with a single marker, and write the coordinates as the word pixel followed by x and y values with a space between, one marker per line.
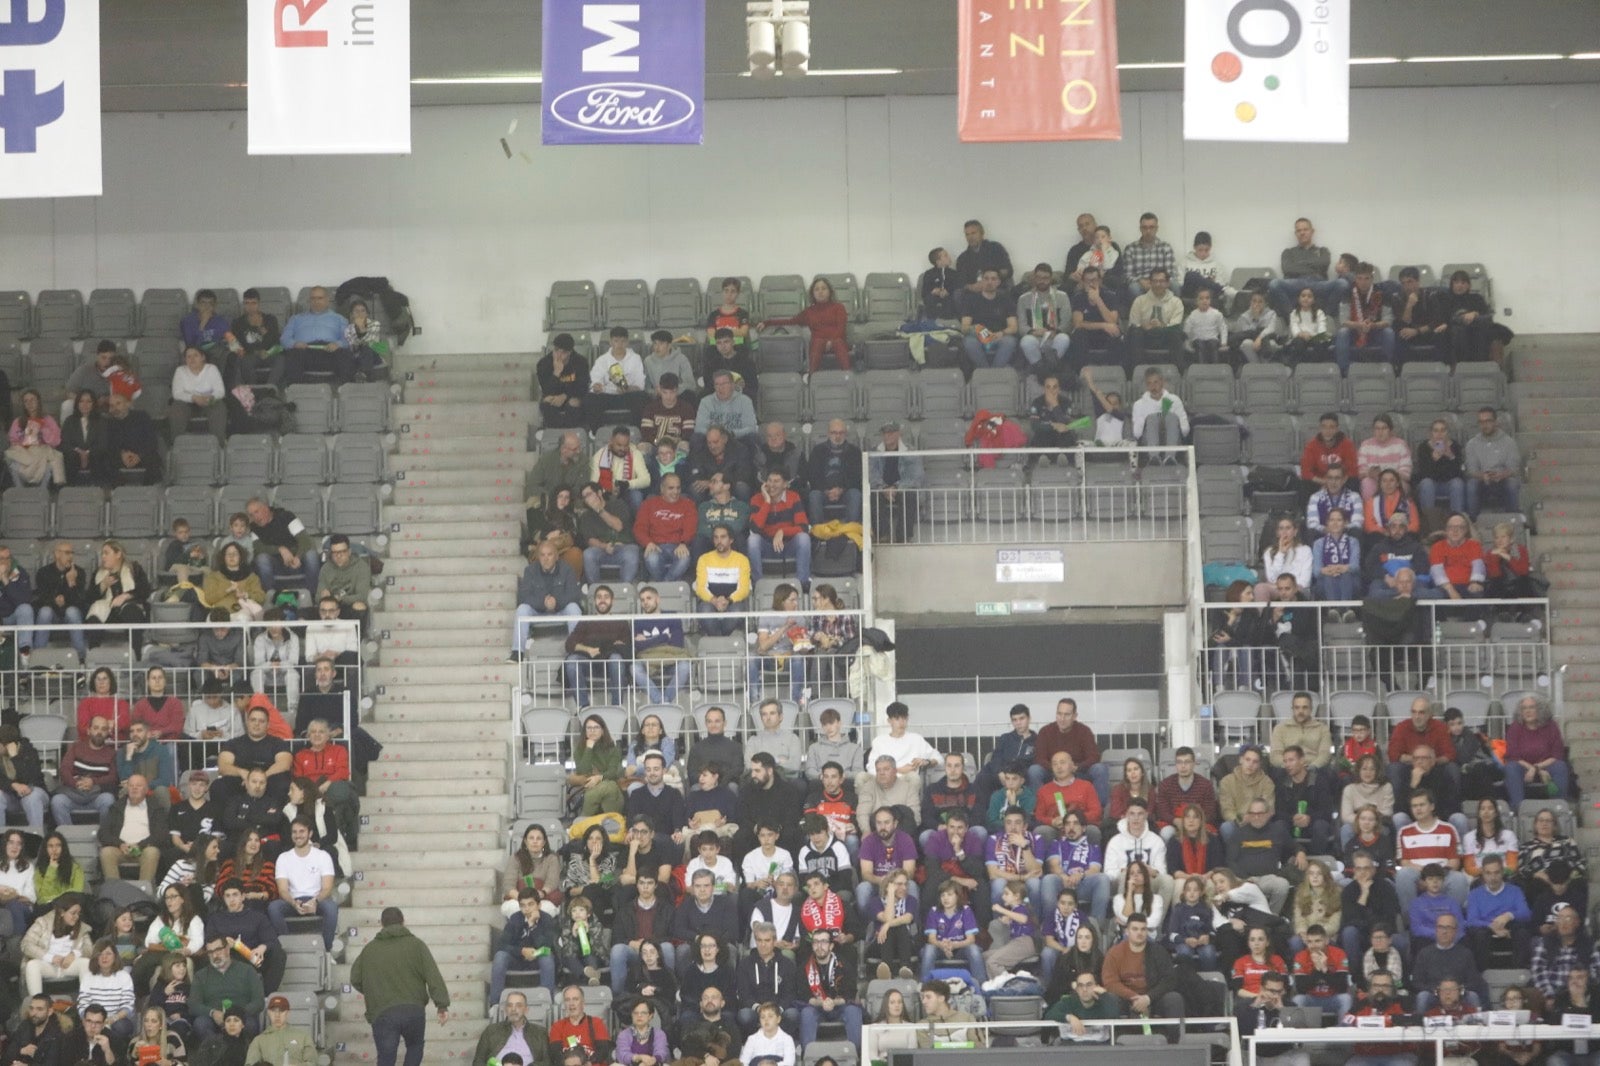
pixel 624 73
pixel 310 59
pixel 50 98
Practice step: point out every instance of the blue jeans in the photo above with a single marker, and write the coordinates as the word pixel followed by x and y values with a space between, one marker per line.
pixel 719 627
pixel 271 569
pixel 1345 586
pixel 327 909
pixel 1344 345
pixel 68 800
pixel 674 674
pixel 545 964
pixel 23 616
pixel 621 956
pixel 521 628
pixel 1093 891
pixel 796 666
pixel 626 556
pixel 1507 494
pixel 582 671
pixel 818 504
pixel 1033 348
pixel 1454 490
pixel 665 565
pixel 1338 1004
pixel 33 805
pixel 998 352
pixel 1205 956
pixel 933 957
pixel 71 616
pixel 1516 786
pixel 797 547
pixel 848 1013
pixel 404 1021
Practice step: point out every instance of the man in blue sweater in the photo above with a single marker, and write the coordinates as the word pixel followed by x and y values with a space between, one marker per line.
pixel 1498 917
pixel 314 344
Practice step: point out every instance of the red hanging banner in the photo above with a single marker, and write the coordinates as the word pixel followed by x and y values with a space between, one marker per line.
pixel 1039 70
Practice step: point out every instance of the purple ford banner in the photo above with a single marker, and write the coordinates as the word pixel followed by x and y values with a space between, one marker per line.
pixel 624 73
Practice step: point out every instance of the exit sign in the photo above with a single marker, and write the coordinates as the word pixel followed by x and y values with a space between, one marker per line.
pixel 992 609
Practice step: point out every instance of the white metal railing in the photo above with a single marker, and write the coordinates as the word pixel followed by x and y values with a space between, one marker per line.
pixel 721 666
pixel 878 1038
pixel 1457 656
pixel 50 685
pixel 1440 1032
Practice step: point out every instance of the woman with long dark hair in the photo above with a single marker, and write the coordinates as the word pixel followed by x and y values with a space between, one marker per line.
pixel 176 930
pixel 596 768
pixel 17 889
pixel 55 874
pixel 533 865
pixel 253 869
pixel 83 442
pixel 592 871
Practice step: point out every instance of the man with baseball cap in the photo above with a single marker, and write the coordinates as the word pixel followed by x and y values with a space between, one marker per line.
pixel 895 475
pixel 281 1042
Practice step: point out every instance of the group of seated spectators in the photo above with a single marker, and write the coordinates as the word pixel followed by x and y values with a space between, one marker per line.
pixel 101 435
pixel 760 905
pixel 1136 303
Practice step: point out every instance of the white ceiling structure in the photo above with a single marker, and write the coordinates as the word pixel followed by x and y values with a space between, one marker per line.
pixel 161 55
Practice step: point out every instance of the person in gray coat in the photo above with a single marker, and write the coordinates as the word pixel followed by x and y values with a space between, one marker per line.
pixel 893 472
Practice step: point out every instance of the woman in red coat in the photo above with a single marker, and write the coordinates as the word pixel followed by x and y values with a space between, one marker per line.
pixel 826 319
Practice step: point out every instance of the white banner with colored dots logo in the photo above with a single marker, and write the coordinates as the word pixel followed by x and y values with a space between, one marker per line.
pixel 1267 70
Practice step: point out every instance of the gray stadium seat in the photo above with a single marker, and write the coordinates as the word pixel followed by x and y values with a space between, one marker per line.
pixel 1226 539
pixel 313 407
pixel 886 395
pixel 1163 491
pixel 25 513
pixel 722 666
pixel 994 388
pixel 113 313
pixel 303 458
pixel 1273 440
pixel 358 458
pixel 998 495
pixel 364 407
pixel 196 503
pixel 231 500
pixel 249 457
pixel 625 302
pixel 1425 274
pixel 1318 388
pixel 13 363
pixel 937 433
pixel 136 513
pixel 195 459
pixel 1107 379
pixel 832 395
pixel 783 398
pixel 58 313
pixel 306 502
pixel 16 315
pixel 885 353
pixel 1217 445
pixel 887 298
pixel 161 310
pixel 81 512
pixel 1221 492
pixel 229 305
pixel 51 361
pixel 353 509
pixel 158 357
pixel 1372 387
pixel 1055 493
pixel 1109 491
pixel 1265 388
pixel 678 303
pixel 1425 386
pixel 781 295
pixel 1478 385
pixel 1208 389
pixel 781 351
pixel 1477 274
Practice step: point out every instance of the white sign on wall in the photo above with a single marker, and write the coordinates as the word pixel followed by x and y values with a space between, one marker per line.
pixel 329 77
pixel 1019 565
pixel 1266 70
pixel 50 98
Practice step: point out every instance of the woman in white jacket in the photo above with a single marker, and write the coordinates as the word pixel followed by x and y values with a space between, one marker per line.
pixel 1286 556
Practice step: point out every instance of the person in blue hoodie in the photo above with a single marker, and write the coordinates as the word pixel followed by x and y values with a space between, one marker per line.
pixel 1430 904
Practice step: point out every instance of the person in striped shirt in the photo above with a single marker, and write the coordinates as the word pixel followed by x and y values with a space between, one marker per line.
pixel 1426 841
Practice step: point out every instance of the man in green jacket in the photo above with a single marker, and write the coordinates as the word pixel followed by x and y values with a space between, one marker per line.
pixel 280 1042
pixel 516 1033
pixel 225 984
pixel 397 976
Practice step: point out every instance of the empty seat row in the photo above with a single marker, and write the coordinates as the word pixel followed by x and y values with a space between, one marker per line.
pixel 879 395
pixel 139 511
pixel 684 303
pixel 1312 388
pixel 117 314
pixel 295 458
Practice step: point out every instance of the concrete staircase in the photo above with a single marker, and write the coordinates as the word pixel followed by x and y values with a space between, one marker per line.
pixel 438 799
pixel 1556 390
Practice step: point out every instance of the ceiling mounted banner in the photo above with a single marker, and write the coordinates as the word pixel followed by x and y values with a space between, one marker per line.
pixel 330 77
pixel 1266 70
pixel 624 73
pixel 1039 70
pixel 50 98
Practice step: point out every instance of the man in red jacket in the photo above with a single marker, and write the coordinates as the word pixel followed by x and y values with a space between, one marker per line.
pixel 665 528
pixel 1329 443
pixel 778 523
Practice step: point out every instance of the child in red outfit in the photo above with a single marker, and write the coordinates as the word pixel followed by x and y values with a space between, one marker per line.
pixel 826 318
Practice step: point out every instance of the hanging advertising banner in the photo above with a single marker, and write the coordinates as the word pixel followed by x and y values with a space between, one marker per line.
pixel 1039 70
pixel 1266 70
pixel 624 73
pixel 329 77
pixel 50 98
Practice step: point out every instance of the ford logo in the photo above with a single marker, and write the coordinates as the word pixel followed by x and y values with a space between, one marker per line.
pixel 622 108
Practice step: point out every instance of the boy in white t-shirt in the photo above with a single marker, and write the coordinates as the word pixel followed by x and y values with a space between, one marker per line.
pixel 305 886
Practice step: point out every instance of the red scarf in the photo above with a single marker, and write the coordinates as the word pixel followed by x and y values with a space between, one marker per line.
pixel 1194 856
pixel 829 914
pixel 823 988
pixel 1368 310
